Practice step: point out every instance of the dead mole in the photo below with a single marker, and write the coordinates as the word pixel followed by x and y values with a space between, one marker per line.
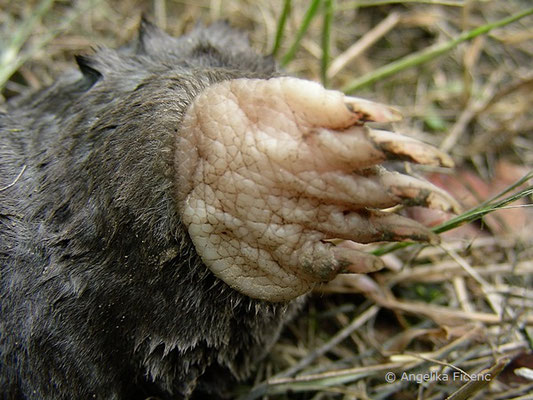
pixel 165 210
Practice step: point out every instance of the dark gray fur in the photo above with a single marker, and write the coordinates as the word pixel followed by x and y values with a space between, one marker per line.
pixel 102 292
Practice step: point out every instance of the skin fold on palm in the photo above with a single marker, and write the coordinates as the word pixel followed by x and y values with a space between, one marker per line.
pixel 270 171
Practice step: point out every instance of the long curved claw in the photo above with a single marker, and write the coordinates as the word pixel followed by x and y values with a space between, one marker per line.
pixel 416 192
pixel 356 261
pixel 405 148
pixel 369 111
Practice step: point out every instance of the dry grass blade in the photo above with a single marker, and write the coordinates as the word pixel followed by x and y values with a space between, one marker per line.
pixel 445 315
pixel 473 386
pixel 334 341
pixel 364 43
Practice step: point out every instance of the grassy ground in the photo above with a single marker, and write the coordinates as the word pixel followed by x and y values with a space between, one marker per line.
pixel 449 311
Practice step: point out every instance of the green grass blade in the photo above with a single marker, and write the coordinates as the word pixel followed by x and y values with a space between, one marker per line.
pixel 429 53
pixel 472 215
pixel 508 189
pixel 309 15
pixel 326 35
pixel 281 26
pixel 481 211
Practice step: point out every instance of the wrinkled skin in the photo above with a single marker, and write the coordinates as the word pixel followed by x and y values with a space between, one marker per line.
pixel 269 171
pixel 163 212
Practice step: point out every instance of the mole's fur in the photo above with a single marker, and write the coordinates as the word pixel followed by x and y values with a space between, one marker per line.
pixel 102 293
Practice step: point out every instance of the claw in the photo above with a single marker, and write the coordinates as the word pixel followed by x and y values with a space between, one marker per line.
pixel 416 192
pixel 400 147
pixel 370 111
pixel 355 261
pixel 396 228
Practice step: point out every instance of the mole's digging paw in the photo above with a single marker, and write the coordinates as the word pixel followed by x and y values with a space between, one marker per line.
pixel 269 170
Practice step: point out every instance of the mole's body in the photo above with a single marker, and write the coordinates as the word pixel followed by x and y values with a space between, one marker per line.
pixel 146 250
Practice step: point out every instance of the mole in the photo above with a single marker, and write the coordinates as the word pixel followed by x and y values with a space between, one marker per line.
pixel 166 208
